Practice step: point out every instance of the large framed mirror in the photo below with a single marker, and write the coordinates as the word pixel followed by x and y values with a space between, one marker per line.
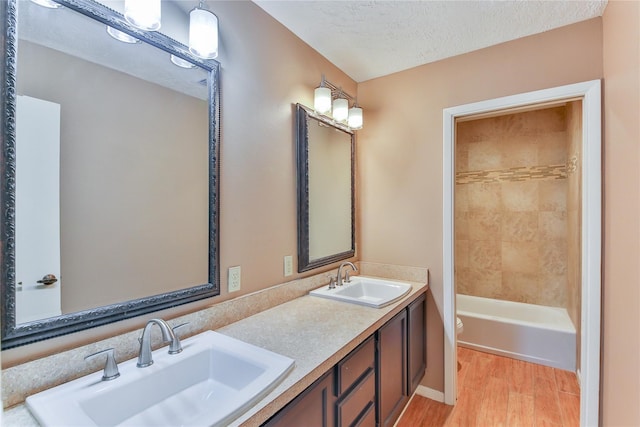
pixel 109 169
pixel 326 179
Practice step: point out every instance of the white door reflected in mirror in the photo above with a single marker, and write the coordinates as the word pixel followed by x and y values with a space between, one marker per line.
pixel 37 208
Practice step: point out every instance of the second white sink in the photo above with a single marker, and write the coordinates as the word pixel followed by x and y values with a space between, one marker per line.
pixel 212 381
pixel 369 291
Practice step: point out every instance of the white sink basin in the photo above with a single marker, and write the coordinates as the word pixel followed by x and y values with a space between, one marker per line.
pixel 212 381
pixel 367 291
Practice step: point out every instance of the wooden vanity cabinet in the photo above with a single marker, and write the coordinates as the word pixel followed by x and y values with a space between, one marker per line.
pixel 371 385
pixel 314 407
pixel 391 360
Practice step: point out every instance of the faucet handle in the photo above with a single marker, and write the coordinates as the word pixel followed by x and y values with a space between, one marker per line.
pixel 176 347
pixel 332 282
pixel 347 279
pixel 111 367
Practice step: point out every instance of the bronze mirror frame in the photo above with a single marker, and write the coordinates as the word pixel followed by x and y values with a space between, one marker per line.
pixel 303 115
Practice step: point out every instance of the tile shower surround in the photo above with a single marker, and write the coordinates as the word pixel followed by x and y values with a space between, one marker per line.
pixel 511 206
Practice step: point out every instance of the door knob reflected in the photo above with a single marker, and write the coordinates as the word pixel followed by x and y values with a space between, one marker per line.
pixel 48 279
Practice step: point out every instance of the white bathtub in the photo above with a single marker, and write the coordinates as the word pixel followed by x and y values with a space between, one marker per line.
pixel 533 333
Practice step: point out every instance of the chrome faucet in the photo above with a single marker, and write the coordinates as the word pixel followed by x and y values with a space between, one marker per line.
pixel 168 335
pixel 347 264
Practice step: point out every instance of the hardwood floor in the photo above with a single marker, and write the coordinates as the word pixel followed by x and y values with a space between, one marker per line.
pixel 499 391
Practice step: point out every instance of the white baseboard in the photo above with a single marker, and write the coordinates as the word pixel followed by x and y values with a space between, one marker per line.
pixel 430 393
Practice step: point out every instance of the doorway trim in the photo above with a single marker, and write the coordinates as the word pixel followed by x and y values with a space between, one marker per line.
pixel 590 94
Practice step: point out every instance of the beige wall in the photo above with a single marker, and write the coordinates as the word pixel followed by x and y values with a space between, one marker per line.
pixel 510 207
pixel 400 149
pixel 621 287
pixel 265 71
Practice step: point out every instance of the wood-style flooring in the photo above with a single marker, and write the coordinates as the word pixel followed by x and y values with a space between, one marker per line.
pixel 499 391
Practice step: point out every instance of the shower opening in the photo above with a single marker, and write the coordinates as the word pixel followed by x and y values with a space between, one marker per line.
pixel 517 245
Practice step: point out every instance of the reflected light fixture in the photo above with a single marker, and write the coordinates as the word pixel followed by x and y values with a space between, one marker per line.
pixel 203 32
pixel 47 3
pixel 143 14
pixel 121 36
pixel 181 62
pixel 322 98
pixel 328 95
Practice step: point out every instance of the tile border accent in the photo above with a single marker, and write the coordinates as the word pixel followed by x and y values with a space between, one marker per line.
pixel 520 173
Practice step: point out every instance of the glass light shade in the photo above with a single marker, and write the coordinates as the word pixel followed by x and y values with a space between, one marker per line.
pixel 47 3
pixel 340 109
pixel 355 118
pixel 120 36
pixel 322 100
pixel 143 14
pixel 203 33
pixel 181 62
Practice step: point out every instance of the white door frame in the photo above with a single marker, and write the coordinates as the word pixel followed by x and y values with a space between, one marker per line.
pixel 590 94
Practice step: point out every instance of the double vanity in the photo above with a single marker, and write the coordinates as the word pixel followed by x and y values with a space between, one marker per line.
pixel 342 358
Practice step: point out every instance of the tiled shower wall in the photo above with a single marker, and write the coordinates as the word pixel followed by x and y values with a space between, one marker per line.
pixel 511 207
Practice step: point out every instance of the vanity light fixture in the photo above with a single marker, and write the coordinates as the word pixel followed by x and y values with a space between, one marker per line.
pixel 121 36
pixel 340 108
pixel 181 62
pixel 203 32
pixel 355 117
pixel 322 98
pixel 47 3
pixel 327 95
pixel 143 14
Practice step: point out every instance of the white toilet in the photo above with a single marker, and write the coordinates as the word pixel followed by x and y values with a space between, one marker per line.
pixel 459 326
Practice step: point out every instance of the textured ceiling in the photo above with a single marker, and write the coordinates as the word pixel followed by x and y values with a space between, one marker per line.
pixel 368 39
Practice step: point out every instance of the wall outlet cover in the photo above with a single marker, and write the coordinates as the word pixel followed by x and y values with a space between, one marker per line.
pixel 234 279
pixel 288 265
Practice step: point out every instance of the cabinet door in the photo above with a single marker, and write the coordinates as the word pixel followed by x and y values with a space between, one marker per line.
pixel 313 408
pixel 417 345
pixel 392 369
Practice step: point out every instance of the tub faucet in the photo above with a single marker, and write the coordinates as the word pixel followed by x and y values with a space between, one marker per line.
pixel 345 264
pixel 144 357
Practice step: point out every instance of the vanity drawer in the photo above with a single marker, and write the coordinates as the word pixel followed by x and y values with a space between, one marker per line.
pixel 368 419
pixel 357 408
pixel 354 366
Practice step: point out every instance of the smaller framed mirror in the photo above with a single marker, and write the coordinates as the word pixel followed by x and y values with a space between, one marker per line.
pixel 326 212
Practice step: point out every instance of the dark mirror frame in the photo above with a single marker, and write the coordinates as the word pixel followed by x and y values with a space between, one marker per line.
pixel 303 115
pixel 15 335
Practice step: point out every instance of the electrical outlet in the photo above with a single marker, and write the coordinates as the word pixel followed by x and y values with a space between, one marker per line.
pixel 288 265
pixel 234 279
